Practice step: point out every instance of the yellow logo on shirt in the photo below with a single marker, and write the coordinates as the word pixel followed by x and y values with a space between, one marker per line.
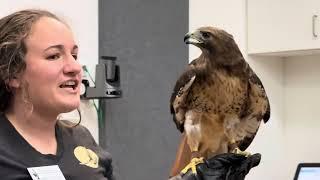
pixel 86 156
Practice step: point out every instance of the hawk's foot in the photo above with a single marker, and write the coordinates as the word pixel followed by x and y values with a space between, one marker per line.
pixel 238 151
pixel 192 165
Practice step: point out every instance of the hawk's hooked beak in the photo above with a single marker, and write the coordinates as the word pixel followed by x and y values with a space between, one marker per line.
pixel 194 38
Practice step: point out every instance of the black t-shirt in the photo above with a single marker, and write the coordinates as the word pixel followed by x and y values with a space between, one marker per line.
pixel 78 156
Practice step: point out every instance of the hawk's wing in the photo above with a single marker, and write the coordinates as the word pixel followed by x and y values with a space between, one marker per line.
pixel 258 106
pixel 254 79
pixel 179 96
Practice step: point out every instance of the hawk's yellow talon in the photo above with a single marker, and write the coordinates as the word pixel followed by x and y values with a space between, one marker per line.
pixel 192 165
pixel 232 141
pixel 244 153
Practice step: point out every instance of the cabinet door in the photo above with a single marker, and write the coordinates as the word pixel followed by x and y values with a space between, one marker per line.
pixel 283 26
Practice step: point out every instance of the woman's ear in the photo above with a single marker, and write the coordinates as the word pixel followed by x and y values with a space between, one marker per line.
pixel 14 82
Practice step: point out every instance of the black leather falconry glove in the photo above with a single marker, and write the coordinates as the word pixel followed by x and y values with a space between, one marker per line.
pixel 227 166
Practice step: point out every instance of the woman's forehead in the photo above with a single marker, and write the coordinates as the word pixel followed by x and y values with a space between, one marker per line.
pixel 47 32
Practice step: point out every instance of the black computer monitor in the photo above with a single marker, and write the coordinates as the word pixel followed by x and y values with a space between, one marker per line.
pixel 307 171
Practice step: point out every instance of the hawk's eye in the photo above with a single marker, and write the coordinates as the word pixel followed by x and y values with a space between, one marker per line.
pixel 206 35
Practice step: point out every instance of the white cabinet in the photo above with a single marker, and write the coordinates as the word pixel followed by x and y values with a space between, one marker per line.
pixel 283 27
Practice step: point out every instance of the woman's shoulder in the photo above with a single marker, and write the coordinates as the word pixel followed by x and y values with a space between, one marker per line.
pixel 72 127
pixel 74 131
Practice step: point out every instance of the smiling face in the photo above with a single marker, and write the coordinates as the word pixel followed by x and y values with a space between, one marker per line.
pixel 52 73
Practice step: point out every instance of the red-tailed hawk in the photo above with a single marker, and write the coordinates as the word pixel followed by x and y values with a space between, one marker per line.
pixel 218 102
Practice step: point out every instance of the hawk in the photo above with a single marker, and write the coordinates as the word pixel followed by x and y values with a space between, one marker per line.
pixel 218 101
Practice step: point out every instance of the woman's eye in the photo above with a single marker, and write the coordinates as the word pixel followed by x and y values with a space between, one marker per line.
pixel 54 57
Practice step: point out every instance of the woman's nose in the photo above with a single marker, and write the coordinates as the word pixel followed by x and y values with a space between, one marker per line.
pixel 72 66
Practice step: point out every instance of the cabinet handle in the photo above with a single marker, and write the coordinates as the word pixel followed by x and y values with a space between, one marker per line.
pixel 314 17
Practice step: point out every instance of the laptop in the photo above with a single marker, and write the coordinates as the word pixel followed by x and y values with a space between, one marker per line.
pixel 307 171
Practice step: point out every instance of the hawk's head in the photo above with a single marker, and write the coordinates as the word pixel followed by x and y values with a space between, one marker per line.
pixel 216 44
pixel 211 39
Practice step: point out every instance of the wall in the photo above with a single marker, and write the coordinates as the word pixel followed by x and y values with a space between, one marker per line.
pixel 83 20
pixel 302 77
pixel 231 16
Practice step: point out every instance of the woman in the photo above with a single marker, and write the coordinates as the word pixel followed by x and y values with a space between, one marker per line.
pixel 39 79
